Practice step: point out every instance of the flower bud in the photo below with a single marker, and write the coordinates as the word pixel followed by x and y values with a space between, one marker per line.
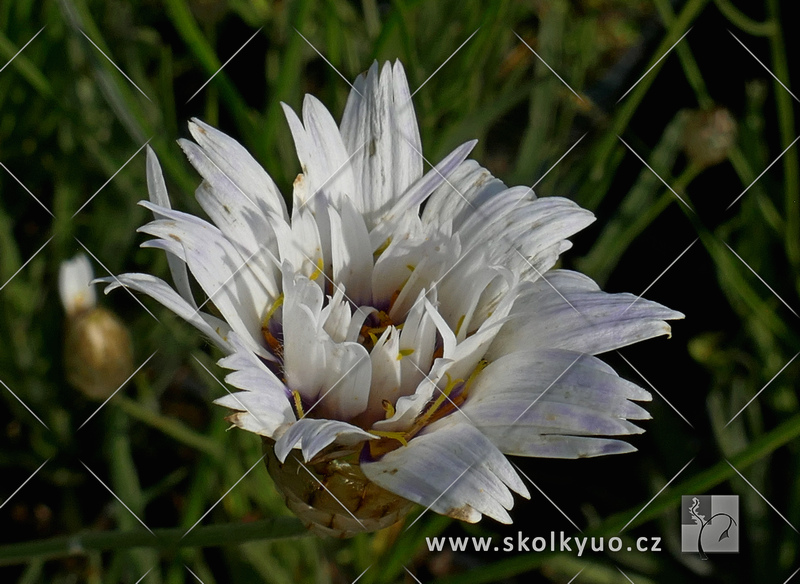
pixel 98 353
pixel 709 136
pixel 331 496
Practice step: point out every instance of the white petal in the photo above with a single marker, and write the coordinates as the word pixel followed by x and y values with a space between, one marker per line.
pixel 331 166
pixel 416 194
pixel 380 130
pixel 567 310
pixel 237 216
pixel 466 189
pixel 418 335
pixel 526 235
pixel 312 435
pixel 300 245
pixel 526 395
pixel 157 189
pixel 225 276
pixel 74 285
pixel 454 470
pixel 260 413
pixel 215 329
pixel 236 162
pixel 304 341
pixel 336 317
pixel 385 373
pixel 345 386
pixel 351 253
pixel 409 407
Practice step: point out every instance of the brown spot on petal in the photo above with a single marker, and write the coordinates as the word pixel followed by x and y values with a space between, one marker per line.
pixel 175 237
pixel 465 513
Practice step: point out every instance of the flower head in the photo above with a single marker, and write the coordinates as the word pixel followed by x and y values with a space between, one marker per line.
pixel 401 329
pixel 98 354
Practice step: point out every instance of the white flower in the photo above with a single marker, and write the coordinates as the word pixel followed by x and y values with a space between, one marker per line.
pixel 399 351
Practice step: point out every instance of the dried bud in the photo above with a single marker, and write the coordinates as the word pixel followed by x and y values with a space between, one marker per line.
pixel 709 136
pixel 98 354
pixel 331 496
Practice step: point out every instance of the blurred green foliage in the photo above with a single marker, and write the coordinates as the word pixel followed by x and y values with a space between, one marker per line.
pixel 72 128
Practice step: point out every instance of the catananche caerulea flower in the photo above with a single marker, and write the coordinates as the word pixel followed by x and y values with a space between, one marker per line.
pixel 400 330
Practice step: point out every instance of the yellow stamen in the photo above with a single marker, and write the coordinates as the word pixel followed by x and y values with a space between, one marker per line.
pixel 388 408
pixel 298 404
pixel 404 353
pixel 382 248
pixel 460 323
pixel 320 268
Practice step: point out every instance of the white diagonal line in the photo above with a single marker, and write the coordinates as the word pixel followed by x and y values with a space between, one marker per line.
pixel 233 395
pixel 223 65
pixel 22 49
pixel 653 65
pixel 792 576
pixel 761 390
pixel 24 405
pixel 330 389
pixel 552 383
pixel 447 397
pixel 412 575
pixel 144 576
pixel 576 575
pixel 553 503
pixel 333 174
pixel 121 502
pixel 115 66
pixel 762 173
pixel 225 495
pixel 112 178
pixel 193 574
pixel 624 574
pixel 14 275
pixel 27 190
pixel 124 383
pixel 762 496
pixel 324 58
pixel 653 387
pixel 762 280
pixel 549 283
pixel 541 178
pixel 335 498
pixel 229 278
pixel 656 495
pixel 116 279
pixel 775 77
pixel 548 66
pixel 361 574
pixel 440 496
pixel 639 297
pixel 478 211
pixel 650 168
pixel 17 490
pixel 453 54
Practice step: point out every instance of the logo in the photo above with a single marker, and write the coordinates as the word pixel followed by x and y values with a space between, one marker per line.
pixel 710 524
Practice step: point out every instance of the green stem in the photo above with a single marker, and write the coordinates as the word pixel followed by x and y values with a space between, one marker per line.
pixel 620 234
pixel 169 426
pixel 744 22
pixel 791 167
pixel 162 539
pixel 690 68
pixel 631 102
